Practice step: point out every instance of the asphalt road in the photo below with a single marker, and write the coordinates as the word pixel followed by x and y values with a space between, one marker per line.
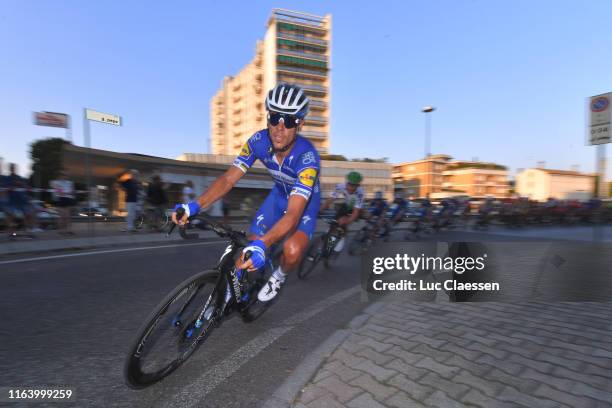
pixel 68 322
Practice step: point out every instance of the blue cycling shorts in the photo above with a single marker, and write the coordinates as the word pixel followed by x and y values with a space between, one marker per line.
pixel 275 206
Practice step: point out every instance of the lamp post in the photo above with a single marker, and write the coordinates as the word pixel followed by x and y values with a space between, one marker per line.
pixel 427 111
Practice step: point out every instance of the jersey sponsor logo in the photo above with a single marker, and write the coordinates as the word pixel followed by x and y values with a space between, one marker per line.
pixel 305 219
pixel 300 191
pixel 308 158
pixel 308 177
pixel 246 150
pixel 238 163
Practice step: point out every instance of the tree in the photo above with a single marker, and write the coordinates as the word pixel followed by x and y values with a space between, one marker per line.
pixel 46 155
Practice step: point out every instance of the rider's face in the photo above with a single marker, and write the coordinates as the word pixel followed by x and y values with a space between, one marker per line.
pixel 351 188
pixel 280 135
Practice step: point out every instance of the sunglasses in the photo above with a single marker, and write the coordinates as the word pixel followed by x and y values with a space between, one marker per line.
pixel 289 121
pixel 352 185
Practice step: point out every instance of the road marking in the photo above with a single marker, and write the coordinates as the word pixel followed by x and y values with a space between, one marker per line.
pixel 191 395
pixel 110 251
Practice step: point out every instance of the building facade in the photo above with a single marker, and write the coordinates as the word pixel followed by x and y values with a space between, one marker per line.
pixel 296 49
pixel 476 179
pixel 376 176
pixel 420 178
pixel 541 184
pixel 438 176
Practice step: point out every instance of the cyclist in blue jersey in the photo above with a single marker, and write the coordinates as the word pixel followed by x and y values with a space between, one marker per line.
pixel 290 210
pixel 395 213
pixel 376 212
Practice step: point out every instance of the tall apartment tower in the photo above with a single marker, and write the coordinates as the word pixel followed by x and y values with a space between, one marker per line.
pixel 297 49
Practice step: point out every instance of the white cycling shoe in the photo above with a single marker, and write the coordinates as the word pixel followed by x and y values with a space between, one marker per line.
pixel 270 289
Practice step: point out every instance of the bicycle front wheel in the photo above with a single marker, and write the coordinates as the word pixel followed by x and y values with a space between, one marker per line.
pixel 173 331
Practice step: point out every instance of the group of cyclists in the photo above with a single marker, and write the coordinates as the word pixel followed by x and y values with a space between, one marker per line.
pixel 289 213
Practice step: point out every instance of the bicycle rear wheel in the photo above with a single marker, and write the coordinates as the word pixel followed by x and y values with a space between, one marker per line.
pixel 171 333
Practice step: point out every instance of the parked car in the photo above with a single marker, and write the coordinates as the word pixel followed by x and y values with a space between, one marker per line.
pixel 97 212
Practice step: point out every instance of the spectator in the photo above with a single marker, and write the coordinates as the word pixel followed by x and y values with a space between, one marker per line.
pixel 157 199
pixel 3 191
pixel 130 184
pixel 18 201
pixel 63 198
pixel 188 193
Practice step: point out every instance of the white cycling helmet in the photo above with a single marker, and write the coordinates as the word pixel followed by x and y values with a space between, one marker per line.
pixel 288 99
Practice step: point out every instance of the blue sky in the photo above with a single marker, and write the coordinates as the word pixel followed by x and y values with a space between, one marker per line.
pixel 509 79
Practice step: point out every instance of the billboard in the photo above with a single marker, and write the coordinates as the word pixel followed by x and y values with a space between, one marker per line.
pixel 53 119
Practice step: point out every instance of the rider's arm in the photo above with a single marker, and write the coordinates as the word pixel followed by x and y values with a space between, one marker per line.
pixel 220 187
pixel 326 204
pixel 354 215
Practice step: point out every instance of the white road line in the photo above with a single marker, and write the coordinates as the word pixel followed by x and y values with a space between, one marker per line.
pixel 193 394
pixel 110 251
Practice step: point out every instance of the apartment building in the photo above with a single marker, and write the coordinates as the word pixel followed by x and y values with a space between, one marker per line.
pixel 420 178
pixel 541 184
pixel 476 179
pixel 438 176
pixel 296 48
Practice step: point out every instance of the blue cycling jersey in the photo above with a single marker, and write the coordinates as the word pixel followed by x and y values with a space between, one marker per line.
pixel 377 207
pixel 296 174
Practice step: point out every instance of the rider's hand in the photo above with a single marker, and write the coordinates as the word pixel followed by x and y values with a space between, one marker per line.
pixel 191 209
pixel 258 256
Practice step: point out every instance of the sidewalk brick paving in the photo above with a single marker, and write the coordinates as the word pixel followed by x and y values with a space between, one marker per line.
pixel 408 354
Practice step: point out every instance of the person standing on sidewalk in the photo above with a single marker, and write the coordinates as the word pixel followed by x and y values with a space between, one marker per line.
pixel 3 190
pixel 63 197
pixel 19 203
pixel 156 197
pixel 130 184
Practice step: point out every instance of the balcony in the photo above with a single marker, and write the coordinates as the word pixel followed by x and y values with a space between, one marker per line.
pixel 301 38
pixel 316 119
pixel 302 71
pixel 303 54
pixel 314 135
pixel 302 62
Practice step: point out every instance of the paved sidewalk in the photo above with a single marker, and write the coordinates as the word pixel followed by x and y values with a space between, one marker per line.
pixel 406 354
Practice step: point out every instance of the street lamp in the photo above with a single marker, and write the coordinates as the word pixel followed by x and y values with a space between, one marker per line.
pixel 427 111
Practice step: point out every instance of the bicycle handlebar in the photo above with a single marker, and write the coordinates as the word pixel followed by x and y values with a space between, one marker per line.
pixel 221 230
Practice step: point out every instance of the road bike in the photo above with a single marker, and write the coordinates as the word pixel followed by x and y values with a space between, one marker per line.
pixel 322 249
pixel 185 318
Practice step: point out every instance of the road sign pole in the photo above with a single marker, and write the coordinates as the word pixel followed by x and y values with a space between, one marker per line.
pixel 87 142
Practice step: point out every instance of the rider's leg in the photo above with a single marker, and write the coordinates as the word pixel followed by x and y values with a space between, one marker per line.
pixel 293 249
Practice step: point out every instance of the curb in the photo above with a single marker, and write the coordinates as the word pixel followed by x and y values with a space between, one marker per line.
pixel 287 393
